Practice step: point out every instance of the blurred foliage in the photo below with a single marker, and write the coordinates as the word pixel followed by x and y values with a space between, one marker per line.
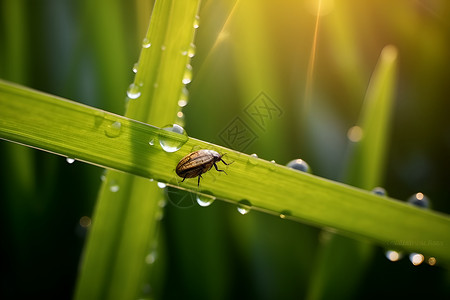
pixel 85 50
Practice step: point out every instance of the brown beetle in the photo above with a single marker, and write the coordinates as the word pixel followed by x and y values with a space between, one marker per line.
pixel 196 163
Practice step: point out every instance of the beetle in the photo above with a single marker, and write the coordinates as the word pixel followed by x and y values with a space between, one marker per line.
pixel 196 163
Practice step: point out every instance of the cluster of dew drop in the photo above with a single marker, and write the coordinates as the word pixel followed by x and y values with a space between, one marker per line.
pixel 355 134
pixel 421 201
pixel 134 90
pixel 244 206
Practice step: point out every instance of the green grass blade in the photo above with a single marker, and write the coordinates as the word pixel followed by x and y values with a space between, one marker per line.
pixel 104 36
pixel 70 129
pixel 20 162
pixel 364 170
pixel 127 215
pixel 367 162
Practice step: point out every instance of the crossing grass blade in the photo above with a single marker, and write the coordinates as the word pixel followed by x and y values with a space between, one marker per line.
pixel 365 166
pixel 126 221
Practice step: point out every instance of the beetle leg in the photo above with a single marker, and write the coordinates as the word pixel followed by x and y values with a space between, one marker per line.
pixel 183 179
pixel 226 163
pixel 199 176
pixel 215 166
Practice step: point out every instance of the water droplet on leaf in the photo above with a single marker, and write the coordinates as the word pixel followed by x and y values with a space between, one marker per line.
pixel 379 191
pixel 419 200
pixel 187 77
pixel 300 165
pixel 244 207
pixel 114 186
pixel 196 22
pixel 133 91
pixel 284 214
pixel 113 130
pixel 272 165
pixel 204 200
pixel 182 103
pixel 135 68
pixel 191 51
pixel 172 137
pixel 180 118
pixel 253 159
pixel 146 43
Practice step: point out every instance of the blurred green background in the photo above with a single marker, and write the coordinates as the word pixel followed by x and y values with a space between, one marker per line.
pixel 85 50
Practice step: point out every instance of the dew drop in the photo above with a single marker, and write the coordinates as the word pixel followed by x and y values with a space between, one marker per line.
pixel 272 165
pixel 196 22
pixel 113 130
pixel 205 200
pixel 244 207
pixel 416 258
pixel 161 185
pixel 184 53
pixel 191 51
pixel 253 159
pixel 151 142
pixel 300 165
pixel 419 200
pixel 393 255
pixel 133 91
pixel 182 103
pixel 183 100
pixel 163 48
pixel 172 137
pixel 70 160
pixel 379 191
pixel 135 68
pixel 180 118
pixel 114 186
pixel 146 43
pixel 284 214
pixel 187 77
